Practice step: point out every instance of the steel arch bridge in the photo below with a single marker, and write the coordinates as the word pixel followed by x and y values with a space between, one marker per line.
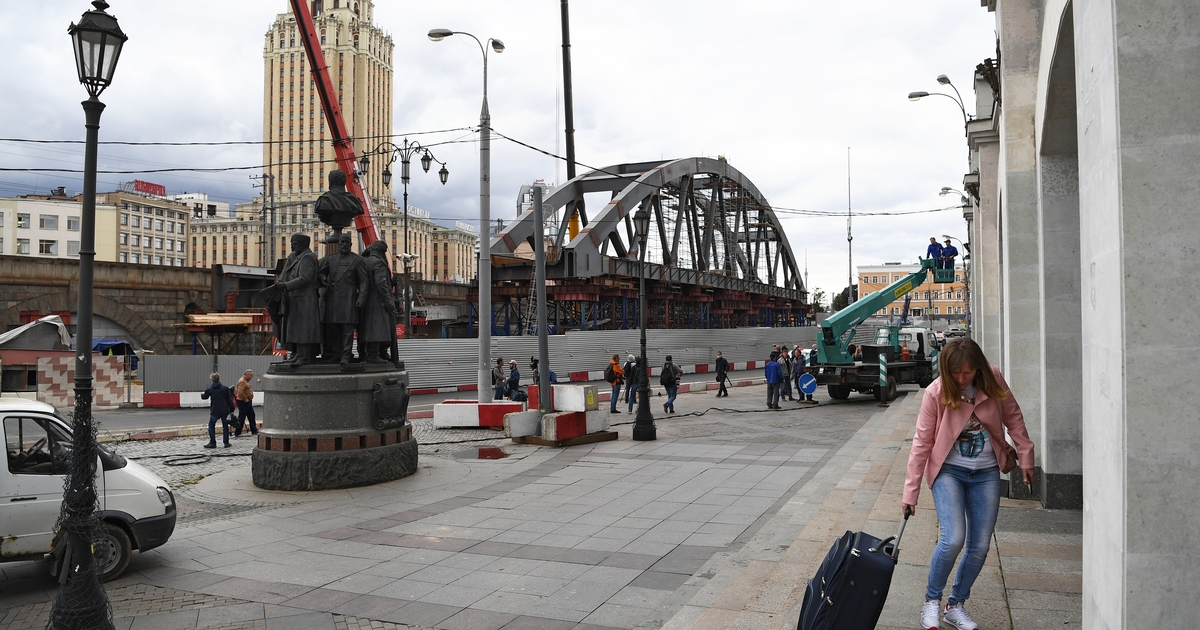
pixel 716 254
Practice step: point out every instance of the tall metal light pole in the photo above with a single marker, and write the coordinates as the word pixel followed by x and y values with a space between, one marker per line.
pixel 404 153
pixel 81 602
pixel 643 424
pixel 485 217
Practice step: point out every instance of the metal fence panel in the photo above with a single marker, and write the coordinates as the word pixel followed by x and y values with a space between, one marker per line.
pixel 176 372
pixel 446 362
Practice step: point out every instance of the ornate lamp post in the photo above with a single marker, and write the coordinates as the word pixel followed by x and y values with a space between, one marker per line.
pixel 81 602
pixel 643 424
pixel 485 217
pixel 404 153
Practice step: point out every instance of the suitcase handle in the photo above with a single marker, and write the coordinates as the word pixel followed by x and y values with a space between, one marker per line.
pixel 883 544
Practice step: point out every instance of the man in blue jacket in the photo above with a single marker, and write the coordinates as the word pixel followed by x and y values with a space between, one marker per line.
pixel 514 378
pixel 221 406
pixel 934 251
pixel 949 252
pixel 774 375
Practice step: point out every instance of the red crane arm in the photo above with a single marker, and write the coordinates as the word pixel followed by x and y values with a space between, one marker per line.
pixel 343 144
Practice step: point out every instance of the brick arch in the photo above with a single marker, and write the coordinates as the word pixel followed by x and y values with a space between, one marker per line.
pixel 143 334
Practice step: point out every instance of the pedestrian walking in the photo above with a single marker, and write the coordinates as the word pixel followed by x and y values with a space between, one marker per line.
pixel 960 450
pixel 774 375
pixel 631 381
pixel 785 366
pixel 498 380
pixel 220 407
pixel 722 375
pixel 669 379
pixel 243 394
pixel 514 379
pixel 615 375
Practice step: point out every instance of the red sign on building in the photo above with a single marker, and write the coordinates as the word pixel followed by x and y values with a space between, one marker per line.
pixel 150 188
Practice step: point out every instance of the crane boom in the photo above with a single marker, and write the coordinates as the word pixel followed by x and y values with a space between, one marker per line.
pixel 839 329
pixel 343 144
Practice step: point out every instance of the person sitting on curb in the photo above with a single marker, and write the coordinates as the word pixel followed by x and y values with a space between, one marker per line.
pixel 221 406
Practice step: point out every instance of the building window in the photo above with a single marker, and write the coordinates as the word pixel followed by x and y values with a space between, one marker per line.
pixel 158 243
pixel 959 295
pixel 124 219
pixel 937 310
pixel 158 260
pixel 958 310
pixel 73 224
pixel 124 238
pixel 48 221
pixel 958 277
pixel 123 257
pixel 47 247
pixel 158 225
pixel 170 245
pixel 136 221
pixel 135 240
pixel 23 220
pixel 22 246
pixel 72 248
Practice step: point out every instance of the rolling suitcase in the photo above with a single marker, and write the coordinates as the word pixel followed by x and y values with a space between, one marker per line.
pixel 849 589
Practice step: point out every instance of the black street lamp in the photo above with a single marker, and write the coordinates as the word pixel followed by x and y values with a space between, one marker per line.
pixel 404 153
pixel 643 424
pixel 81 602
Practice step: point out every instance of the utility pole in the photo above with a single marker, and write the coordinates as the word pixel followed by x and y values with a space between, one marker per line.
pixel 849 237
pixel 266 182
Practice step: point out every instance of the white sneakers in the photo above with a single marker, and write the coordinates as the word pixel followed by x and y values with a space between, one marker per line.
pixel 930 612
pixel 955 616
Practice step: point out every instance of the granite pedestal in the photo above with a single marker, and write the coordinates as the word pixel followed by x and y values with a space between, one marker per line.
pixel 330 428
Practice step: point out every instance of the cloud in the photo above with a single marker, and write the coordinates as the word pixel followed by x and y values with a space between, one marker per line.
pixel 781 88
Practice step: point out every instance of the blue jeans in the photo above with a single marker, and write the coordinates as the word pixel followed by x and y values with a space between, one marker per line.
pixel 672 392
pixel 631 394
pixel 246 410
pixel 967 502
pixel 212 427
pixel 785 388
pixel 615 397
pixel 499 393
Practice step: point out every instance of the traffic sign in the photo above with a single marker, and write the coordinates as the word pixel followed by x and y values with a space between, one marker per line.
pixel 808 384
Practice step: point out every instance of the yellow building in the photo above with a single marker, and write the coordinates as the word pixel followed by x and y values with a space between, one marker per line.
pixel 297 148
pixel 453 255
pixel 943 298
pixel 149 229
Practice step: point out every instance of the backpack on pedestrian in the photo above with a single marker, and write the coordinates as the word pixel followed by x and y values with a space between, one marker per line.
pixel 610 375
pixel 670 375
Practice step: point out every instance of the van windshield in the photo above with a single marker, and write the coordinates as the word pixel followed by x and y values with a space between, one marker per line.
pixel 110 459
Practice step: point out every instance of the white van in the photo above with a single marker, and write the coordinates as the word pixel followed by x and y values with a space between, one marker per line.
pixel 136 506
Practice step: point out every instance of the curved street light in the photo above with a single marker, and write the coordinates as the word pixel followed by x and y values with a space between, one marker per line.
pixel 643 424
pixel 485 218
pixel 404 153
pixel 81 602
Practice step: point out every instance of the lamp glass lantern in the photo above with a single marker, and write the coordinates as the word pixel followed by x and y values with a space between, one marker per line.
pixel 426 161
pixel 641 224
pixel 387 176
pixel 97 41
pixel 443 174
pixel 364 163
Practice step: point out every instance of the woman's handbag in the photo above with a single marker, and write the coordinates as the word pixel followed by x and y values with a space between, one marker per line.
pixel 1010 463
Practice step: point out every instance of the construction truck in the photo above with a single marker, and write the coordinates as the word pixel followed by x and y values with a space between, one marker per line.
pixel 845 367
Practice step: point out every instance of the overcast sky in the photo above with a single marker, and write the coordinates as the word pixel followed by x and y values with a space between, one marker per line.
pixel 781 88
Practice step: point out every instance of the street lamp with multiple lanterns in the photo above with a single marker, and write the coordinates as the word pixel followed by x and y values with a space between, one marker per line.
pixel 404 153
pixel 81 602
pixel 643 424
pixel 485 216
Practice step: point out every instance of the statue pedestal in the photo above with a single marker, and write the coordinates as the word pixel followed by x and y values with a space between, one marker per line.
pixel 329 429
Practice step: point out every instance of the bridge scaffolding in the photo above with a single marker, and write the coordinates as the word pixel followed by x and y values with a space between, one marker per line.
pixel 716 254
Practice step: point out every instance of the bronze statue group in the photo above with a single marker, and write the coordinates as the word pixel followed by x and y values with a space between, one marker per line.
pixel 317 306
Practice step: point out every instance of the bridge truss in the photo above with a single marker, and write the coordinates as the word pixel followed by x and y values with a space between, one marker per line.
pixel 716 254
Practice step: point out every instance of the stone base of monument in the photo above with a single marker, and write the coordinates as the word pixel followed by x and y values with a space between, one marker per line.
pixel 327 428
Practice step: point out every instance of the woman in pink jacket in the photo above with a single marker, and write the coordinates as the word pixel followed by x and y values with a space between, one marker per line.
pixel 960 449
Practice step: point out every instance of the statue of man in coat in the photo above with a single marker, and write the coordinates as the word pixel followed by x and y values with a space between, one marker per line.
pixel 344 282
pixel 301 309
pixel 377 326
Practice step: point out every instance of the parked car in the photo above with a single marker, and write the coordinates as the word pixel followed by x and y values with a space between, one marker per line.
pixel 955 332
pixel 137 508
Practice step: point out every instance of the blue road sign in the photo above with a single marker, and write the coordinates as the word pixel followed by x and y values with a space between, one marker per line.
pixel 808 384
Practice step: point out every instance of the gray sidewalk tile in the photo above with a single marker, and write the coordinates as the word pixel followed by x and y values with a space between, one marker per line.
pixel 477 620
pixel 524 622
pixel 617 615
pixel 369 606
pixel 406 589
pixel 535 585
pixel 421 614
pixel 222 615
pixel 455 595
pixel 321 599
pixel 166 621
pixel 660 581
pixel 310 621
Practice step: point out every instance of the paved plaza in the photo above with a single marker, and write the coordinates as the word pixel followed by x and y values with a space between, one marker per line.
pixel 717 524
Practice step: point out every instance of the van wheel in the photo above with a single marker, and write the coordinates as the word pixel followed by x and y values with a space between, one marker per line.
pixel 112 552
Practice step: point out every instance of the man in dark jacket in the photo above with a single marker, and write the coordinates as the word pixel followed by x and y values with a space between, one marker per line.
pixel 774 375
pixel 949 252
pixel 302 314
pixel 221 406
pixel 514 378
pixel 934 251
pixel 722 375
pixel 631 381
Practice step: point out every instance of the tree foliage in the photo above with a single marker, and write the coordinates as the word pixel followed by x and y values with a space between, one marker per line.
pixel 840 301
